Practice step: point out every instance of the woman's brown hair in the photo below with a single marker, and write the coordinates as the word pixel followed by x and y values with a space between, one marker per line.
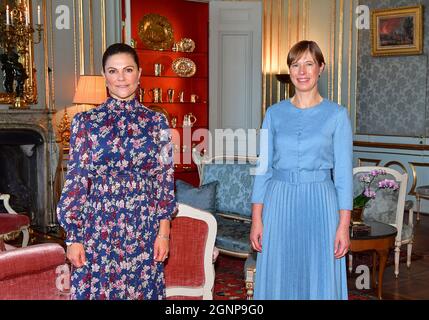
pixel 301 47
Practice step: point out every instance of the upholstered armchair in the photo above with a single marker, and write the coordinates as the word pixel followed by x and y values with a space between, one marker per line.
pixel 189 269
pixel 388 207
pixel 12 223
pixel 36 272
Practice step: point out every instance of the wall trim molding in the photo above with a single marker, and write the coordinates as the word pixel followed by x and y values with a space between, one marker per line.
pixel 402 146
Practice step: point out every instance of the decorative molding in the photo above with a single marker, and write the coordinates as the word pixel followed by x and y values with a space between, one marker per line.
pixel 340 52
pixel 127 39
pixel 279 42
pixel 349 59
pixel 271 53
pixel 417 147
pixel 264 59
pixel 52 75
pixel 331 69
pixel 289 23
pixel 375 161
pixel 355 69
pixel 75 52
pixel 91 38
pixel 46 58
pixel 81 39
pixel 103 26
pixel 304 23
pixel 298 20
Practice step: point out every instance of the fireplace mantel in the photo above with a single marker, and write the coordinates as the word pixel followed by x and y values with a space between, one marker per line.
pixel 40 121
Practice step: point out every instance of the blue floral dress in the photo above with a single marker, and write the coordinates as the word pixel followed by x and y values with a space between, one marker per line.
pixel 118 187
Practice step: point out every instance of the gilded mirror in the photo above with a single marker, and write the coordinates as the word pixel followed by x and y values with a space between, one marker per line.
pixel 17 76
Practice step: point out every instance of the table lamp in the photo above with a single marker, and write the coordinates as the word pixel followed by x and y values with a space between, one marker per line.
pixel 91 90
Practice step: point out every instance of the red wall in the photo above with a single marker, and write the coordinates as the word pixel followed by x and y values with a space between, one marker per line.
pixel 188 20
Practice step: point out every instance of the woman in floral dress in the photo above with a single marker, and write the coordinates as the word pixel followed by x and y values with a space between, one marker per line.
pixel 118 197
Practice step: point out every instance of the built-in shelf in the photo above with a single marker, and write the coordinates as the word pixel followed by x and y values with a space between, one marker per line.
pixel 173 77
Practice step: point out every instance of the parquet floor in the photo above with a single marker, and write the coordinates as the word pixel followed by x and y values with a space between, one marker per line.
pixel 413 283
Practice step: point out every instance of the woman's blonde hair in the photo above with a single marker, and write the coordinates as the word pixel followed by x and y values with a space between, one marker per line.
pixel 303 46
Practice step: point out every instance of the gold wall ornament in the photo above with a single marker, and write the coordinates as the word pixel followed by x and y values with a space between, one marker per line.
pixel 184 67
pixel 19 104
pixel 64 130
pixel 156 32
pixel 18 77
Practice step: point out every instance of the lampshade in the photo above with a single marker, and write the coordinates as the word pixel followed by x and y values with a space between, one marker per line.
pixel 90 90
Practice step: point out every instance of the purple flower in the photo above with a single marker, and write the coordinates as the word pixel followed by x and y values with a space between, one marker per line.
pixel 368 193
pixel 388 184
pixel 367 179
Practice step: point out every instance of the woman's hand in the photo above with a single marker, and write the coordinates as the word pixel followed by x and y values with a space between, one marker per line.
pixel 76 254
pixel 161 248
pixel 162 241
pixel 257 227
pixel 256 235
pixel 342 241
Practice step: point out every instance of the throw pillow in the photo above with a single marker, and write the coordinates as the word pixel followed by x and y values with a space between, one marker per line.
pixel 203 198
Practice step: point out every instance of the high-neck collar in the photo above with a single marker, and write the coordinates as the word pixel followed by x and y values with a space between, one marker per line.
pixel 117 104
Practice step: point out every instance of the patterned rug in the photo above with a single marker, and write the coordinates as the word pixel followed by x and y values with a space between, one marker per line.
pixel 229 281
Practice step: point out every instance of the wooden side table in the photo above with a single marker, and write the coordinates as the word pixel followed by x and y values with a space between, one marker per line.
pixel 380 240
pixel 422 192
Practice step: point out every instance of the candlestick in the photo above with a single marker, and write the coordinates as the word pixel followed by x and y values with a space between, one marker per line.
pixel 27 17
pixel 38 14
pixel 7 15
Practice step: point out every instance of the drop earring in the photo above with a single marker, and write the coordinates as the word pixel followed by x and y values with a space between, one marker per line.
pixel 140 91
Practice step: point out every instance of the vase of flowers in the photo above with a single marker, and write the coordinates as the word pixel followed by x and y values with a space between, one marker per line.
pixel 369 193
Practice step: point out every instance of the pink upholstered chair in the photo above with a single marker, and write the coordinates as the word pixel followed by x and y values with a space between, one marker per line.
pixel 11 222
pixel 37 272
pixel 189 270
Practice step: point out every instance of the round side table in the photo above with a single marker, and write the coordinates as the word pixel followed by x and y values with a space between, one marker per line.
pixel 380 240
pixel 422 192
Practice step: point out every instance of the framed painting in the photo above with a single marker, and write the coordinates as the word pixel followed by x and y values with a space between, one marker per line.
pixel 397 31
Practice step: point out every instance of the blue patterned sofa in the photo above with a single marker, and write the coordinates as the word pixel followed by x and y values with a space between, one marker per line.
pixel 233 196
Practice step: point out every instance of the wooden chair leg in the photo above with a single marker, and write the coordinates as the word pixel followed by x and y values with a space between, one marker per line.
pixel 350 262
pixel 250 282
pixel 2 246
pixel 25 237
pixel 374 269
pixel 418 207
pixel 397 252
pixel 409 250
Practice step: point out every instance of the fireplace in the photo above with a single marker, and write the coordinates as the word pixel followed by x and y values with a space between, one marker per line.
pixel 28 161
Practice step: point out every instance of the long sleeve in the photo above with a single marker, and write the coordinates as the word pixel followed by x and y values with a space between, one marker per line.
pixel 343 161
pixel 265 160
pixel 167 204
pixel 75 190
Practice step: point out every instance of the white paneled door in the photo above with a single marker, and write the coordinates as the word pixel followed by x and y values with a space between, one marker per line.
pixel 235 74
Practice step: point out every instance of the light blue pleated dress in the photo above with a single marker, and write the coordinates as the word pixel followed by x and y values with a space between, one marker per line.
pixel 308 178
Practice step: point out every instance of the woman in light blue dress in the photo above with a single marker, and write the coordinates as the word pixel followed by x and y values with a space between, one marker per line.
pixel 302 202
